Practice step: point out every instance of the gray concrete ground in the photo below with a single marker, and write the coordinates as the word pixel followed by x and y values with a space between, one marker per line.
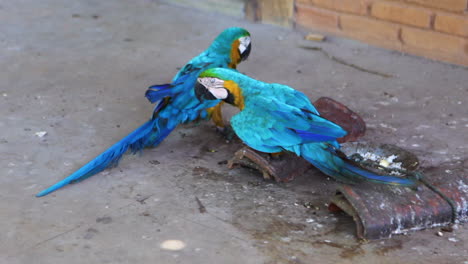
pixel 78 70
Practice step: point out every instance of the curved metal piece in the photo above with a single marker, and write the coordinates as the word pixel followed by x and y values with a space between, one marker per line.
pixel 382 211
pixel 339 114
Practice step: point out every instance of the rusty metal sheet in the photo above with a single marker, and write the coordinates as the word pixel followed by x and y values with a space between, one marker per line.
pixel 381 211
pixel 343 116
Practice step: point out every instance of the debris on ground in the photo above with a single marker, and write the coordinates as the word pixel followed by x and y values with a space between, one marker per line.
pixel 40 134
pixel 315 37
pixel 385 158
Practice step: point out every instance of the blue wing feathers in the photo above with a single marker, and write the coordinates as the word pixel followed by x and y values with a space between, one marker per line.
pixel 307 136
pixel 160 87
pixel 158 92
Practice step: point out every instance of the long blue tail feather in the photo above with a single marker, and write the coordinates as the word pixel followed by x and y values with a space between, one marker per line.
pixel 369 176
pixel 149 134
pixel 341 169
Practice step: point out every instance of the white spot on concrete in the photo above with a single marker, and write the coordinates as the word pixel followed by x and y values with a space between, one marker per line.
pixel 172 245
pixel 387 126
pixel 40 134
pixel 30 187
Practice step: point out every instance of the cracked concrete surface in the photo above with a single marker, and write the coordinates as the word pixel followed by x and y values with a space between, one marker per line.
pixel 79 70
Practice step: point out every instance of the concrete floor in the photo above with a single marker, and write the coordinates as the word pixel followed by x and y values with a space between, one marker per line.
pixel 78 70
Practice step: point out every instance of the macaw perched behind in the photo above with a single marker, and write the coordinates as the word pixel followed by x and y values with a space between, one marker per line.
pixel 231 47
pixel 177 103
pixel 274 118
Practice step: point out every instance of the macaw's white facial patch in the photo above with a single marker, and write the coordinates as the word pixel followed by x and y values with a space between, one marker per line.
pixel 211 82
pixel 219 93
pixel 215 86
pixel 244 42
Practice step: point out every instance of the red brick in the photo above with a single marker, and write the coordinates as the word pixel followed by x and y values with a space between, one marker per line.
pixel 435 45
pixel 351 6
pixel 316 18
pixel 371 30
pixel 452 5
pixel 453 24
pixel 402 13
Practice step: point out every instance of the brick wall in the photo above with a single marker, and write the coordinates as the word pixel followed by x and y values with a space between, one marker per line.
pixel 436 29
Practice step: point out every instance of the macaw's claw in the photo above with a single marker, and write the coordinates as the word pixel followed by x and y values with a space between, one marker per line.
pixel 342 116
pixel 227 132
pixel 282 169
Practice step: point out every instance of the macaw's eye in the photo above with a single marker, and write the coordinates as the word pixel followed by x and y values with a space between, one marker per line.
pixel 212 80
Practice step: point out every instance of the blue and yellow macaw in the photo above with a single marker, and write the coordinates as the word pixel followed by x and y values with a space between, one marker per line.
pixel 176 104
pixel 275 118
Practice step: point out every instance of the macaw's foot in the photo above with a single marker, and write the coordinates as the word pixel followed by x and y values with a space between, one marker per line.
pixel 341 115
pixel 283 168
pixel 227 132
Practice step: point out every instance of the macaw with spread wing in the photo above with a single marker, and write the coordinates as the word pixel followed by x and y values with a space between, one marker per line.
pixel 176 104
pixel 274 118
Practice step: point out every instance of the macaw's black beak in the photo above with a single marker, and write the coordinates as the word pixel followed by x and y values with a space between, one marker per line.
pixel 230 99
pixel 202 93
pixel 246 53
